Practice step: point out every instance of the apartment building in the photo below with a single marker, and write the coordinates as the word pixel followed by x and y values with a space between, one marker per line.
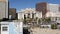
pixel 3 9
pixel 12 13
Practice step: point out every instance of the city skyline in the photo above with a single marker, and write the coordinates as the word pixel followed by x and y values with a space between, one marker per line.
pixel 22 4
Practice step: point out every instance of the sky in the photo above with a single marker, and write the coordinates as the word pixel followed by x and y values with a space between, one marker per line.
pixel 22 4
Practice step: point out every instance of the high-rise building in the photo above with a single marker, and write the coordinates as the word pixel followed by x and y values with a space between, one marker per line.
pixel 12 13
pixel 46 7
pixel 3 9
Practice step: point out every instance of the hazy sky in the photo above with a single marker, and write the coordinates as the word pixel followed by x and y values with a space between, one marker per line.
pixel 21 4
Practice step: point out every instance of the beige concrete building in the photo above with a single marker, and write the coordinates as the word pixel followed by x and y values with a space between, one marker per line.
pixel 3 9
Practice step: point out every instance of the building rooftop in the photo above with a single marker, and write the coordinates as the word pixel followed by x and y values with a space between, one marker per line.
pixel 27 10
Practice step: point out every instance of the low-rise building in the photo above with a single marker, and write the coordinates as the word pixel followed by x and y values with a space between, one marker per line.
pixel 29 13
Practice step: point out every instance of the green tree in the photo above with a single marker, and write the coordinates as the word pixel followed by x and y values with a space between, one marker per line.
pixel 39 21
pixel 46 19
pixel 53 26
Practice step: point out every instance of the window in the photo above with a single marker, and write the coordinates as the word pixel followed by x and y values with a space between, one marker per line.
pixel 4 28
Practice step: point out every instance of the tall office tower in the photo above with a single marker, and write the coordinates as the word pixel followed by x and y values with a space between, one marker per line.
pixel 3 9
pixel 12 13
pixel 45 7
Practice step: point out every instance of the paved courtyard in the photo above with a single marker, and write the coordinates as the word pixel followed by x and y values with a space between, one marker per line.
pixel 44 31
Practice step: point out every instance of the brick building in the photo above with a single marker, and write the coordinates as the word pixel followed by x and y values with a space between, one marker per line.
pixel 42 7
pixel 12 13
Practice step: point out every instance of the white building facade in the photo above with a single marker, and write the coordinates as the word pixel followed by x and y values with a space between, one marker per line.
pixel 29 12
